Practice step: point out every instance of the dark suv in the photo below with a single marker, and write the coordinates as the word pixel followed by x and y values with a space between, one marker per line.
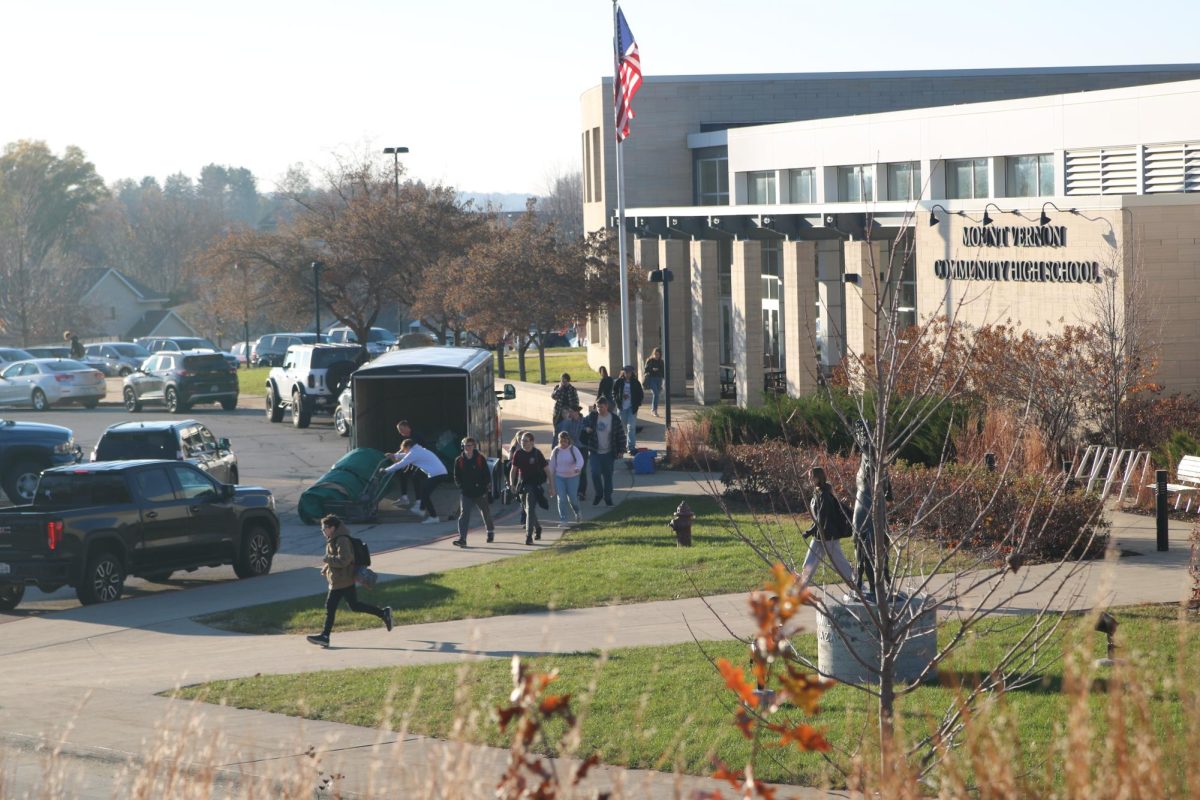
pixel 180 380
pixel 269 350
pixel 186 440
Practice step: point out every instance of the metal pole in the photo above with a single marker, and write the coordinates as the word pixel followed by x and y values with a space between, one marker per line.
pixel 1160 480
pixel 624 280
pixel 396 174
pixel 666 318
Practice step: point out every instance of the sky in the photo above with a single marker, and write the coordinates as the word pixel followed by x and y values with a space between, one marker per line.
pixel 484 94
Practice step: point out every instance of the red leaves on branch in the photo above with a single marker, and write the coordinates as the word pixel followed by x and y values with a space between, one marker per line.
pixel 528 774
pixel 735 679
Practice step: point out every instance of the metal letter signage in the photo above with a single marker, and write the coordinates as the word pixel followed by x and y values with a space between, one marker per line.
pixel 1025 271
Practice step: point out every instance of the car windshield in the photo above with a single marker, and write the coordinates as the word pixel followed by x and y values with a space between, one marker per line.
pixel 381 335
pixel 50 352
pixel 80 490
pixel 64 365
pixel 131 350
pixel 206 363
pixel 12 354
pixel 122 445
pixel 325 357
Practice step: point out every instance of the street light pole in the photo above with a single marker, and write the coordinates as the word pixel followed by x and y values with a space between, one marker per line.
pixel 317 266
pixel 395 152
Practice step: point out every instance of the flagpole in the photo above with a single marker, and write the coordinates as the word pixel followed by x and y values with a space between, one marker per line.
pixel 620 199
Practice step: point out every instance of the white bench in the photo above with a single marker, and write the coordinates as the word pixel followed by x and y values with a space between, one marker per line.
pixel 1188 475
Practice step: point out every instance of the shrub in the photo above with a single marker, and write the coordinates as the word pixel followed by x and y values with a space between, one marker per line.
pixel 983 511
pixel 1169 452
pixel 817 421
pixel 688 444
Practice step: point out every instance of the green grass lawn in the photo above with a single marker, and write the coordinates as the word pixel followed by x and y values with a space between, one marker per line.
pixel 656 707
pixel 572 360
pixel 627 556
pixel 251 381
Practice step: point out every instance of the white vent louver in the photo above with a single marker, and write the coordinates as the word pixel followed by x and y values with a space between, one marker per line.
pixel 1107 170
pixel 1171 167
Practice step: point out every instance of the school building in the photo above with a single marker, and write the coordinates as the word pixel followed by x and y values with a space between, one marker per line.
pixel 784 205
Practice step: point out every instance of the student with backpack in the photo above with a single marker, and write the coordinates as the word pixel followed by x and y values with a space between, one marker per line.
pixel 339 570
pixel 831 523
pixel 473 480
pixel 566 464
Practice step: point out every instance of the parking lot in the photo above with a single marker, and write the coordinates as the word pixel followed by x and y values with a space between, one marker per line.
pixel 276 456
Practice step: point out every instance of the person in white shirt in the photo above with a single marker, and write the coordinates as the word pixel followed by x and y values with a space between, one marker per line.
pixel 566 463
pixel 429 466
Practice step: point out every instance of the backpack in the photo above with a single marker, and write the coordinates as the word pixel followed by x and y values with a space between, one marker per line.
pixel 840 516
pixel 362 554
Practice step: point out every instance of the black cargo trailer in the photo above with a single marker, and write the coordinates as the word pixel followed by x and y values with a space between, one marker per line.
pixel 445 392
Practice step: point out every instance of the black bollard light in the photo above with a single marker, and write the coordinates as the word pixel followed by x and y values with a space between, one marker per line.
pixel 1160 508
pixel 989 461
pixel 1106 623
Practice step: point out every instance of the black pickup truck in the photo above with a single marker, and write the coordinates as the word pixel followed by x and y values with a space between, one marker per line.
pixel 27 448
pixel 90 525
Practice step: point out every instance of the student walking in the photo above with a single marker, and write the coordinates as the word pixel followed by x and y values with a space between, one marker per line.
pixel 573 426
pixel 565 397
pixel 430 470
pixel 830 524
pixel 654 372
pixel 604 437
pixel 566 465
pixel 473 481
pixel 528 478
pixel 606 386
pixel 628 396
pixel 339 572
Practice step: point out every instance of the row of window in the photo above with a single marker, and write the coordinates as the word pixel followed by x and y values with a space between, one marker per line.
pixel 966 179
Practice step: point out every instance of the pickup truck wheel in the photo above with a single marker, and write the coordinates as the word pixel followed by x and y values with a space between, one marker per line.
pixel 340 424
pixel 10 595
pixel 20 481
pixel 103 579
pixel 255 553
pixel 274 410
pixel 229 405
pixel 131 401
pixel 301 413
pixel 171 400
pixel 38 400
pixel 124 371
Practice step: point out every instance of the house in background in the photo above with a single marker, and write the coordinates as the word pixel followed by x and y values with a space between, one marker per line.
pixel 123 309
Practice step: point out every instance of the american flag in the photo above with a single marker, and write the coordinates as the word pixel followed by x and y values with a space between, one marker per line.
pixel 629 75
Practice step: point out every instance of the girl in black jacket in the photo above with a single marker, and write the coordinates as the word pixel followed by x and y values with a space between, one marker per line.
pixel 473 480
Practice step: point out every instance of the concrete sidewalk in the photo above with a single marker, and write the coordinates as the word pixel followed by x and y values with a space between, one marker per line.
pixel 92 673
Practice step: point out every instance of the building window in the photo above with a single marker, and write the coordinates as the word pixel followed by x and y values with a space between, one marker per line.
pixel 856 184
pixel 760 188
pixel 1029 176
pixel 712 181
pixel 904 180
pixel 597 173
pixel 802 186
pixel 587 166
pixel 966 178
pixel 770 270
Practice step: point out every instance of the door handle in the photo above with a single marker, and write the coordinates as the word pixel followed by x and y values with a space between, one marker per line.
pixel 194 509
pixel 151 515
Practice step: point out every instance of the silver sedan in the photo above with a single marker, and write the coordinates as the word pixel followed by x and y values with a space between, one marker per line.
pixel 42 382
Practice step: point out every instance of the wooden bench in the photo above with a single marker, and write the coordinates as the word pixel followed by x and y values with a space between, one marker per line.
pixel 1187 475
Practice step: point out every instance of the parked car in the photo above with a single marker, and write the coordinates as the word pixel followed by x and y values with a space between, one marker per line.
pixel 379 341
pixel 241 350
pixel 179 440
pixel 48 351
pixel 180 380
pixel 179 344
pixel 343 415
pixel 43 382
pixel 90 525
pixel 116 359
pixel 269 349
pixel 27 448
pixel 10 355
pixel 310 380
